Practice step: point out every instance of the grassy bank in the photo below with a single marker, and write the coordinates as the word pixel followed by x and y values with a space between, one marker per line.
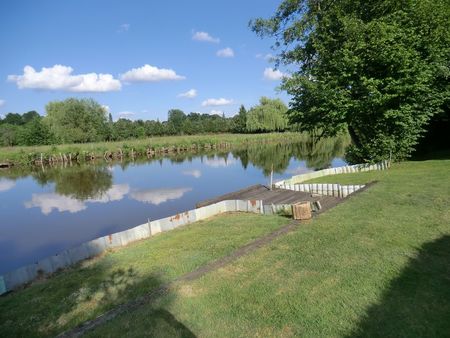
pixel 84 292
pixel 138 147
pixel 375 266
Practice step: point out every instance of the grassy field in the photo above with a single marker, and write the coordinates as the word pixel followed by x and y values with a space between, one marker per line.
pixel 67 299
pixel 375 266
pixel 139 147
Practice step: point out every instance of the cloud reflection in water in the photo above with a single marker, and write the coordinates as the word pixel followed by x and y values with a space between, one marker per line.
pixel 6 185
pixel 47 202
pixel 158 196
pixel 194 172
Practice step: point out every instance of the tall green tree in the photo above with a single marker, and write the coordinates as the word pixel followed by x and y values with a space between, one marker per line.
pixel 269 115
pixel 8 134
pixel 13 119
pixel 35 132
pixel 378 68
pixel 29 116
pixel 240 120
pixel 175 118
pixel 77 120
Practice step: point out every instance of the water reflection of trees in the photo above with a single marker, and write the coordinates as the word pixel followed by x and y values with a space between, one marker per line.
pixel 90 181
pixel 80 181
pixel 317 154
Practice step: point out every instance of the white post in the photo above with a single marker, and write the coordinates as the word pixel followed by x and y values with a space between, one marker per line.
pixel 271 177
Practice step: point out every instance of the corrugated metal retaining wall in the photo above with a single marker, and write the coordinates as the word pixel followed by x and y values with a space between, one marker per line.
pixel 326 189
pixel 334 171
pixel 27 274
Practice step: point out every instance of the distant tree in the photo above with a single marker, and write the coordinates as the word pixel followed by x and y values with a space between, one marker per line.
pixel 153 128
pixel 240 121
pixel 188 127
pixel 35 132
pixel 269 115
pixel 77 120
pixel 169 128
pixel 139 126
pixel 176 118
pixel 158 128
pixel 8 134
pixel 124 129
pixel 27 117
pixel 14 119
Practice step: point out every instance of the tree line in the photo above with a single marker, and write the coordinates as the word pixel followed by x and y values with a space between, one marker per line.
pixel 85 120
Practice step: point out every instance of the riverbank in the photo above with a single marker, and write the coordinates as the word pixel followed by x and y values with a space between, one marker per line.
pixel 130 149
pixel 375 265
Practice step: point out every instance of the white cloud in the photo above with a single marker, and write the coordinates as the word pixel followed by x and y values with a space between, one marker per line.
pixel 49 201
pixel 115 193
pixel 190 94
pixel 106 108
pixel 125 27
pixel 194 172
pixel 216 112
pixel 2 102
pixel 60 77
pixel 204 36
pixel 218 162
pixel 217 102
pixel 6 185
pixel 158 196
pixel 225 53
pixel 126 114
pixel 273 74
pixel 149 73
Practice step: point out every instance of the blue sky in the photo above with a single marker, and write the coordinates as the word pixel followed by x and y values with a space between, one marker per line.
pixel 149 52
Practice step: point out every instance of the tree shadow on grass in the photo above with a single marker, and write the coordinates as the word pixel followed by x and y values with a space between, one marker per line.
pixel 119 288
pixel 417 303
pixel 67 299
pixel 147 321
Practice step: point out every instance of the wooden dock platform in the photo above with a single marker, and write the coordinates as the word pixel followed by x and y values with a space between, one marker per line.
pixel 275 196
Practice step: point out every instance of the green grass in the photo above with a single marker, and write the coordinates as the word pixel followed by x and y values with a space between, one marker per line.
pixel 26 155
pixel 67 299
pixel 375 266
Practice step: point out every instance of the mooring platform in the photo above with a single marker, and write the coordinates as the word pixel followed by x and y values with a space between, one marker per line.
pixel 274 196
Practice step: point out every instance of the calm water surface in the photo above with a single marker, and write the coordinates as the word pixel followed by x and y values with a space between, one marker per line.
pixel 46 210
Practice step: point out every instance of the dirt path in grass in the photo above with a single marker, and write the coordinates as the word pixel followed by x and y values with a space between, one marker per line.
pixel 199 272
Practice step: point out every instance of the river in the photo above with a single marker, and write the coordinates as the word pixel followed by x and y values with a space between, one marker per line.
pixel 46 210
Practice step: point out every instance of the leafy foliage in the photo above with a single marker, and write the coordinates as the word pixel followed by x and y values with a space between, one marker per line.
pixel 77 120
pixel 240 120
pixel 377 68
pixel 269 115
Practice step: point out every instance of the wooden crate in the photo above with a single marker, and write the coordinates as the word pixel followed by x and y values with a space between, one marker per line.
pixel 302 210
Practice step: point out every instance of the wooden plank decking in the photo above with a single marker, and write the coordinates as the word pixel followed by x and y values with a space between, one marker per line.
pixel 275 196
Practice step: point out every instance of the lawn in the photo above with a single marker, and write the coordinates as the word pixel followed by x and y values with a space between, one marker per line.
pixel 375 266
pixel 67 299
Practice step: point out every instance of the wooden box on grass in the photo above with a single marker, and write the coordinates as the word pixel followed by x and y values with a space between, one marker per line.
pixel 302 210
